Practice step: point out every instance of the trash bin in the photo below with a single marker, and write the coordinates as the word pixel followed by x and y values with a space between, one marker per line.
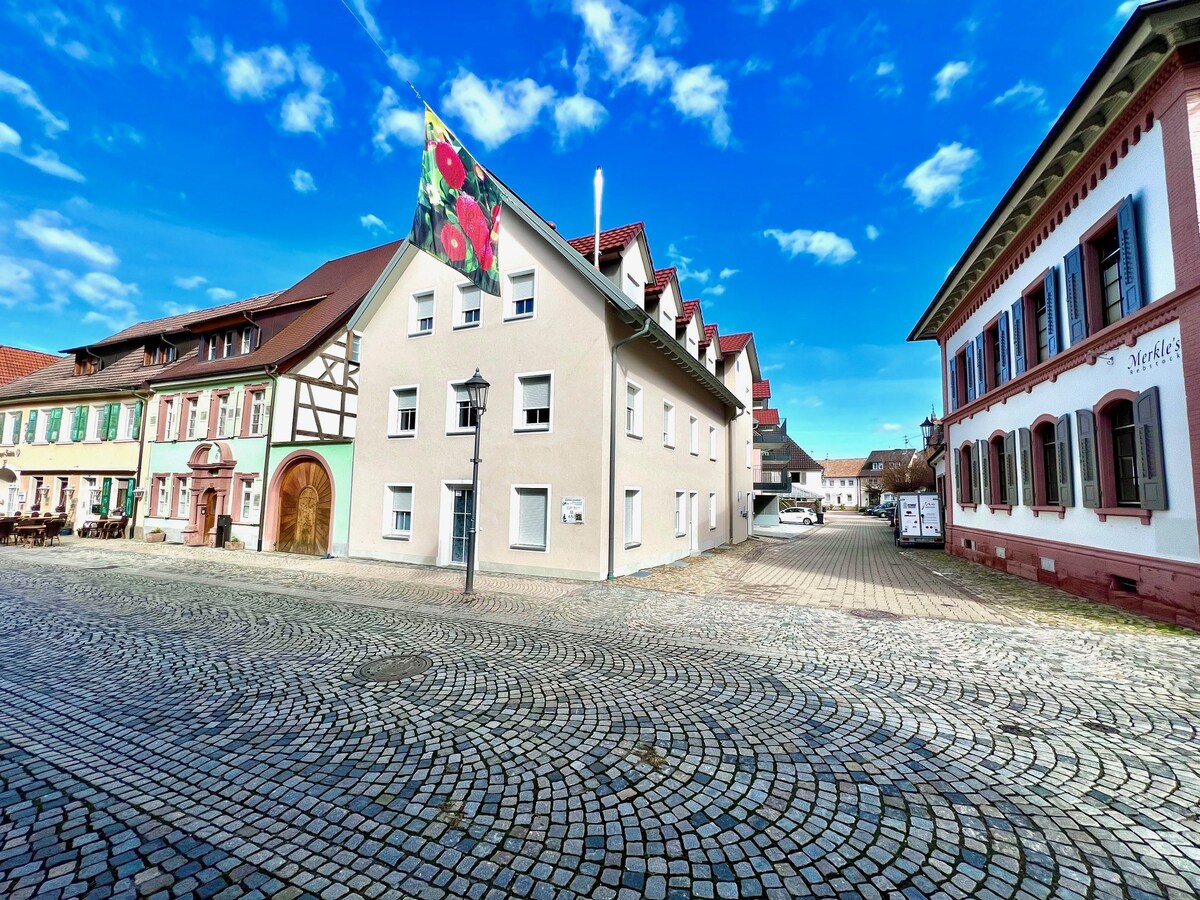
pixel 223 531
pixel 820 518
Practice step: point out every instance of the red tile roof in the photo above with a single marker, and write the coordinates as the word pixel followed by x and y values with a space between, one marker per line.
pixel 800 461
pixel 690 308
pixel 762 390
pixel 766 416
pixel 662 277
pixel 17 363
pixel 843 468
pixel 732 343
pixel 710 334
pixel 613 239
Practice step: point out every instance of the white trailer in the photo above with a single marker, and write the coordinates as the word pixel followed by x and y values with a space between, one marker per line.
pixel 919 520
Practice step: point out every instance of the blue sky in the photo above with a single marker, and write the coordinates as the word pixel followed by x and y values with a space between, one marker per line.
pixel 813 168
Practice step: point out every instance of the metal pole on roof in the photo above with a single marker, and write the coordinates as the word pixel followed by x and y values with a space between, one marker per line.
pixel 598 184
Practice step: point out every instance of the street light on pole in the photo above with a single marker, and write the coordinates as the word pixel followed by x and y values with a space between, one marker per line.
pixel 477 392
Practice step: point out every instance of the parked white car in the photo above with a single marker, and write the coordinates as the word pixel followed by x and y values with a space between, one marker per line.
pixel 800 516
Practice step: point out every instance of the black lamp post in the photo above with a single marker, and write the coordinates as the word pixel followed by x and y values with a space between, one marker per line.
pixel 927 430
pixel 477 391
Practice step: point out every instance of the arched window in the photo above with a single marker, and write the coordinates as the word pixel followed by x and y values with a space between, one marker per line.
pixel 1121 452
pixel 966 475
pixel 1045 444
pixel 1121 433
pixel 998 482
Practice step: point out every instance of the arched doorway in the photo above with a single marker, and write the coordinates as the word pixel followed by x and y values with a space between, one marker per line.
pixel 207 514
pixel 305 508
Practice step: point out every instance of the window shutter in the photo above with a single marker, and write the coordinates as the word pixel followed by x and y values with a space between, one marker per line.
pixel 152 421
pixel 1010 467
pixel 522 286
pixel 129 487
pixel 980 367
pixel 1133 297
pixel 112 417
pixel 137 420
pixel 1066 480
pixel 79 427
pixel 31 426
pixel 424 306
pixel 1025 440
pixel 16 427
pixel 970 373
pixel 1089 476
pixel 535 392
pixel 958 486
pixel 1076 302
pixel 1050 286
pixel 54 425
pixel 1005 365
pixel 105 495
pixel 1018 332
pixel 531 527
pixel 1152 476
pixel 203 406
pixel 953 383
pixel 984 457
pixel 974 463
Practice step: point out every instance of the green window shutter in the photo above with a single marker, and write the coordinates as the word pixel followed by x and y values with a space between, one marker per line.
pixel 1066 476
pixel 1025 442
pixel 958 482
pixel 54 425
pixel 1089 475
pixel 129 488
pixel 16 427
pixel 31 426
pixel 79 423
pixel 112 417
pixel 137 421
pixel 983 452
pixel 105 495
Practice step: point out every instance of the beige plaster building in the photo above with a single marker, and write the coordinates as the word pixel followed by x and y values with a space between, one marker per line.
pixel 608 444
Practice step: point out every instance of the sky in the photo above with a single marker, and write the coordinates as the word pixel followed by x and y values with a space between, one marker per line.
pixel 814 169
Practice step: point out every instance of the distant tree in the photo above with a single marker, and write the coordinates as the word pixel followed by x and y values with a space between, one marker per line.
pixel 916 476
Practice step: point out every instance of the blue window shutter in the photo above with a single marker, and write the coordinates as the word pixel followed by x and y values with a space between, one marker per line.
pixel 1076 302
pixel 1018 331
pixel 1151 462
pixel 1050 285
pixel 1089 474
pixel 1133 297
pixel 953 383
pixel 980 367
pixel 970 373
pixel 1025 448
pixel 1066 477
pixel 983 460
pixel 1005 365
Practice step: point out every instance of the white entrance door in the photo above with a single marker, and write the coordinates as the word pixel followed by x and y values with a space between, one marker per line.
pixel 455 525
pixel 693 523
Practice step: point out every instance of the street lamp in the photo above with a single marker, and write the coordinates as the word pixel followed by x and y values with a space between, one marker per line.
pixel 477 391
pixel 927 429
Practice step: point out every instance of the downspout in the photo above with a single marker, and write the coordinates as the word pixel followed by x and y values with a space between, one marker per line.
pixel 732 495
pixel 137 478
pixel 612 446
pixel 272 372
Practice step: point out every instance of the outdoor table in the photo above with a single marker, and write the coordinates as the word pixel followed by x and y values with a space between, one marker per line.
pixel 27 533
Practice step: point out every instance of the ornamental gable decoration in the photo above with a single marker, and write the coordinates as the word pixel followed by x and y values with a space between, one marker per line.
pixel 458 208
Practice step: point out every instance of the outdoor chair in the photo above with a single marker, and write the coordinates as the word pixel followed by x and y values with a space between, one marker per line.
pixel 114 528
pixel 90 528
pixel 6 530
pixel 53 527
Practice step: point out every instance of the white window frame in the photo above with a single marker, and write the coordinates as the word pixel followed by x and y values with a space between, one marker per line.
pixel 669 424
pixel 212 347
pixel 258 399
pixel 246 342
pixel 452 426
pixel 125 427
pixel 224 404
pixel 712 442
pixel 712 510
pixel 514 517
pixel 183 504
pixel 42 427
pixel 510 303
pixel 633 536
pixel 638 409
pixel 413 322
pixel 164 497
pixel 460 312
pixel 519 424
pixel 693 436
pixel 95 424
pixel 394 430
pixel 193 417
pixel 228 344
pixel 248 509
pixel 680 514
pixel 389 513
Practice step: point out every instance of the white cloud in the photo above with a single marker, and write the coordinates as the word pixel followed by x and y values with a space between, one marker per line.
pixel 33 284
pixel 48 230
pixel 372 223
pixel 1125 10
pixel 889 76
pixel 171 308
pixel 203 47
pixel 497 111
pixel 27 97
pixel 258 75
pixel 948 76
pixel 1023 94
pixel 699 93
pixel 824 246
pixel 190 283
pixel 577 113
pixel 890 427
pixel 728 273
pixel 308 110
pixel 407 126
pixel 684 266
pixel 303 182
pixel 941 175
pixel 885 68
pixel 221 294
pixel 755 64
pixel 872 233
pixel 669 26
pixel 46 161
pixel 367 18
pixel 613 29
pixel 406 68
pixel 716 290
pixel 110 298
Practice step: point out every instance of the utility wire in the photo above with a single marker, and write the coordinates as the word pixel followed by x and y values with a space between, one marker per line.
pixel 387 56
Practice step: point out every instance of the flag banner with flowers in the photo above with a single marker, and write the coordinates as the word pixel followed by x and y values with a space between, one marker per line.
pixel 458 208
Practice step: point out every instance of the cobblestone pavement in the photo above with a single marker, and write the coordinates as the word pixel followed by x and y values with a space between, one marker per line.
pixel 189 723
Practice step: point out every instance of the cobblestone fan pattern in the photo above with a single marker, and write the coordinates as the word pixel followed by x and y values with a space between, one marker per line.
pixel 171 728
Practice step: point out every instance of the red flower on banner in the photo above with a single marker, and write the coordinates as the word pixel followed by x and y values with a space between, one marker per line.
pixel 449 165
pixel 474 223
pixel 486 256
pixel 495 221
pixel 454 242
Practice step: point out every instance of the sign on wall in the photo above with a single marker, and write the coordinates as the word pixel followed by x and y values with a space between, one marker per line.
pixel 1163 351
pixel 572 510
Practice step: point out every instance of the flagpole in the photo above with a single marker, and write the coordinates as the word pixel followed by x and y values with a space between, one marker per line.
pixel 598 183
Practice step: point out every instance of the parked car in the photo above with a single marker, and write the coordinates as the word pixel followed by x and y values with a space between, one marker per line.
pixel 885 510
pixel 799 516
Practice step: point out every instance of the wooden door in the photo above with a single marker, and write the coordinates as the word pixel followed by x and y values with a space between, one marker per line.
pixel 208 503
pixel 305 509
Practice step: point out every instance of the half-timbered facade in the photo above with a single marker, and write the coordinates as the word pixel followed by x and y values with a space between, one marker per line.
pixel 1070 339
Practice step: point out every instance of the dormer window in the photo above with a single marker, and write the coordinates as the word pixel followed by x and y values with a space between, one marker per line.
pixel 228 344
pixel 158 355
pixel 247 340
pixel 212 347
pixel 86 365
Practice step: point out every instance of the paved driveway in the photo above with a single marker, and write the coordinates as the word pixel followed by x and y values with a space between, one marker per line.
pixel 191 724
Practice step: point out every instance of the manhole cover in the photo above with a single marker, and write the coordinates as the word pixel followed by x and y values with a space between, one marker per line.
pixel 1100 727
pixel 392 668
pixel 877 615
pixel 1020 730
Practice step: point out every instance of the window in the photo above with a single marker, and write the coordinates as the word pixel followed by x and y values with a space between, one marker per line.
pixel 633 518
pixel 228 344
pixel 212 346
pixel 247 339
pixel 470 300
pixel 680 514
pixel 1046 491
pixel 399 516
pixel 224 415
pixel 521 289
pixel 1124 455
pixel 404 412
pixel 712 442
pixel 633 409
pixel 529 525
pixel 129 420
pixel 193 413
pixel 960 392
pixel 421 321
pixel 1103 274
pixel 534 413
pixel 712 510
pixel 1107 249
pixel 1122 462
pixel 97 418
pixel 185 498
pixel 462 415
pixel 998 461
pixel 693 436
pixel 876 467
pixel 4 432
pixel 163 507
pixel 669 425
pixel 258 412
pixel 250 500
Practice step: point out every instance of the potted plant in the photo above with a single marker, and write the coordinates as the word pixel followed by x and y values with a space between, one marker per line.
pixel 234 544
pixel 156 536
